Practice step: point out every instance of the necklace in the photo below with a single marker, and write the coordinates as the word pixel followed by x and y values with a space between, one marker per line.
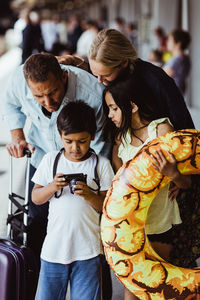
pixel 141 127
pixel 137 137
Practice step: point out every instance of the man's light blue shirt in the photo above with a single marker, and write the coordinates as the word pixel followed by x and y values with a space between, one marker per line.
pixel 19 105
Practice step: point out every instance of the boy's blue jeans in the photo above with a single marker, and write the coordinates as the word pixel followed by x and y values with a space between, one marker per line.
pixel 84 277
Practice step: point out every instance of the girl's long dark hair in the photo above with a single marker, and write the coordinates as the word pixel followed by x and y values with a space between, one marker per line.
pixel 130 88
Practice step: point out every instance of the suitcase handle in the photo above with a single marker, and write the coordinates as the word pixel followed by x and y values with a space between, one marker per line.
pixel 27 152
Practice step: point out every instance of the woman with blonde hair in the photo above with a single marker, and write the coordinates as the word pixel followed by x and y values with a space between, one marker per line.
pixel 114 51
pixel 112 55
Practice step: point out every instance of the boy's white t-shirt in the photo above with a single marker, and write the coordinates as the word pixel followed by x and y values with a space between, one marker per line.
pixel 73 231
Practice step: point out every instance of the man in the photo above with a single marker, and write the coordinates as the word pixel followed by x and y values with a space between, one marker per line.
pixel 38 91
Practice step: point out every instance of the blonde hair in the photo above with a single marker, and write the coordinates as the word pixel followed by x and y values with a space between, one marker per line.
pixel 112 48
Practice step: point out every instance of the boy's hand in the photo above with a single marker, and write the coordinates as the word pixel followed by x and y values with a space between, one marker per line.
pixel 162 165
pixel 59 182
pixel 95 200
pixel 81 189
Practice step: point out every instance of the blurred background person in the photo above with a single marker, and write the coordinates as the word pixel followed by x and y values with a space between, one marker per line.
pixel 162 38
pixel 132 33
pixel 162 43
pixel 20 25
pixel 86 38
pixel 155 57
pixel 74 32
pixel 59 46
pixel 62 31
pixel 50 32
pixel 178 67
pixel 32 41
pixel 119 24
pixel 102 24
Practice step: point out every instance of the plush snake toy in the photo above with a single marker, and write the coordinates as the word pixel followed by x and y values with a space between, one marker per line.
pixel 127 248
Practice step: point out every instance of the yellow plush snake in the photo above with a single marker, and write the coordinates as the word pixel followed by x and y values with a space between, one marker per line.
pixel 127 249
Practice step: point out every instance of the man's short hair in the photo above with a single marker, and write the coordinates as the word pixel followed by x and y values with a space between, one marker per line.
pixel 75 117
pixel 38 66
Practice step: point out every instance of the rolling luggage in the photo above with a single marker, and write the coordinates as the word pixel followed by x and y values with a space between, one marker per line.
pixel 18 271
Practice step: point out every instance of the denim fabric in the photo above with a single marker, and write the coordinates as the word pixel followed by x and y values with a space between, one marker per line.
pixel 19 105
pixel 84 278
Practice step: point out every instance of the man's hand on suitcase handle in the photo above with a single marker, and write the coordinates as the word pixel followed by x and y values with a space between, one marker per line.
pixel 20 149
pixel 18 144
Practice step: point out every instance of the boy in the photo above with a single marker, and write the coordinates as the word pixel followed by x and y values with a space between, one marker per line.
pixel 72 246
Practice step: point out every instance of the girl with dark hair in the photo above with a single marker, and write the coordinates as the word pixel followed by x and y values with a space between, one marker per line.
pixel 131 88
pixel 133 112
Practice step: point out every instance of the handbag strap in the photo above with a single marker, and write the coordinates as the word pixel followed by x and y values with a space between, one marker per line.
pixel 96 177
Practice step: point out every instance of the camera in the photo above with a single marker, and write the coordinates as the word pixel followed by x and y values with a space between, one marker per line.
pixel 72 179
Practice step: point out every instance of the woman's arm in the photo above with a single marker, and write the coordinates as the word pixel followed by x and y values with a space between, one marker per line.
pixel 73 61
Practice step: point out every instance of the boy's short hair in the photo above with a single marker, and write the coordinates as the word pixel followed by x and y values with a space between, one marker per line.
pixel 77 116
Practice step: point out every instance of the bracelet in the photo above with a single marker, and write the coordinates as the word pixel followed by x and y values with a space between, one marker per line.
pixel 81 63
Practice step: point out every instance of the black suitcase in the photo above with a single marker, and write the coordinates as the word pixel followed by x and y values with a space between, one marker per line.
pixel 18 270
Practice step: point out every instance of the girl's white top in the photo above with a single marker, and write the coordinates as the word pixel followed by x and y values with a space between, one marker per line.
pixel 163 212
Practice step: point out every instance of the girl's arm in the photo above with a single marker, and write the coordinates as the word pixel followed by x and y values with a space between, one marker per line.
pixel 116 161
pixel 169 168
pixel 41 194
pixel 164 128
